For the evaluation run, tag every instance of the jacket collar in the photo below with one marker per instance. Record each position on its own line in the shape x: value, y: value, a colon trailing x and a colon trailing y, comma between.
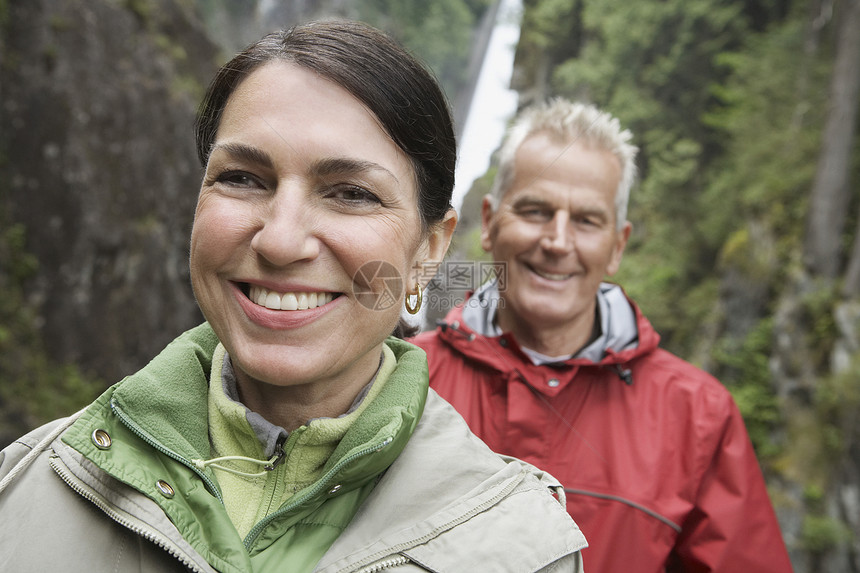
x: 617, y: 320
x: 625, y: 332
x: 166, y: 404
x: 167, y: 399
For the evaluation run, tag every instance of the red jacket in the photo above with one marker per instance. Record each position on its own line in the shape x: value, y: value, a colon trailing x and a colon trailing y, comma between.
x: 659, y: 470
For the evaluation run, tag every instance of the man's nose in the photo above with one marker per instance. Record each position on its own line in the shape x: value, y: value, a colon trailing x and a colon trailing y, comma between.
x: 557, y: 236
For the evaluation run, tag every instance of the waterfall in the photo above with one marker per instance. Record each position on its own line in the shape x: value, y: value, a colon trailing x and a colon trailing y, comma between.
x: 493, y: 103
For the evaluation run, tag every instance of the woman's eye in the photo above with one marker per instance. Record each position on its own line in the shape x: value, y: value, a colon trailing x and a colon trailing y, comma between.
x: 237, y: 179
x: 352, y: 195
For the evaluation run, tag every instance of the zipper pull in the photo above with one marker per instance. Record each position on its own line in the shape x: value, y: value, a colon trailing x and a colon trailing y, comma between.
x: 278, y: 458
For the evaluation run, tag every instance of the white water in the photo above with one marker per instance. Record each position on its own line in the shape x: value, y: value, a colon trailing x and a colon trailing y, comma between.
x: 493, y: 103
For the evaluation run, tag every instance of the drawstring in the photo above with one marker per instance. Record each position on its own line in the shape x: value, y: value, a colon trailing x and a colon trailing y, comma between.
x: 268, y: 465
x: 624, y: 373
x: 455, y: 327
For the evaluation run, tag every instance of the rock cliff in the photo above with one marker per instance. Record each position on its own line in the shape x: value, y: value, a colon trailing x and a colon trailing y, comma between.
x: 97, y: 100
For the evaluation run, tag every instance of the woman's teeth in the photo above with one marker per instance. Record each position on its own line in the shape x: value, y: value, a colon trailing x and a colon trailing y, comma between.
x: 288, y: 301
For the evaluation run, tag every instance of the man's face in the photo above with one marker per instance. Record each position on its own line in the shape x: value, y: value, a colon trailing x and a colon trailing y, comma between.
x: 555, y: 229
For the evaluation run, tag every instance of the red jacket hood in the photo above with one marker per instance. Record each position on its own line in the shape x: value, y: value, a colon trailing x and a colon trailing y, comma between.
x: 454, y: 332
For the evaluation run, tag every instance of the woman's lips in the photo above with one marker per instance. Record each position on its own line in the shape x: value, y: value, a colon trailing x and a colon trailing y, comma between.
x: 300, y: 300
x: 283, y: 318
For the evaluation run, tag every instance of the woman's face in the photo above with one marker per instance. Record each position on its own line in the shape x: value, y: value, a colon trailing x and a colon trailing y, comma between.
x: 306, y: 231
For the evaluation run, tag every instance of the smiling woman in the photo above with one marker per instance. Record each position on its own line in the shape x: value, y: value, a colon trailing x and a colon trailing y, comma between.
x: 302, y: 188
x: 291, y: 430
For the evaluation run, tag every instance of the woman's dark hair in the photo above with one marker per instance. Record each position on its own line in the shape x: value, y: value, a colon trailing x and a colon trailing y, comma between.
x: 397, y: 88
x: 391, y: 83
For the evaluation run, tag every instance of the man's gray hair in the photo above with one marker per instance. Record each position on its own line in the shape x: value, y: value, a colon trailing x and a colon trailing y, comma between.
x: 570, y: 122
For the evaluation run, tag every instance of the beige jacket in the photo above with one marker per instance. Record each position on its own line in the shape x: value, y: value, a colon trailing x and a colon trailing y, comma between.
x: 62, y: 513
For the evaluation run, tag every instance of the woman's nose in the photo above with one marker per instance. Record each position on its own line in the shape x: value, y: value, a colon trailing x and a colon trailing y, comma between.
x: 287, y: 231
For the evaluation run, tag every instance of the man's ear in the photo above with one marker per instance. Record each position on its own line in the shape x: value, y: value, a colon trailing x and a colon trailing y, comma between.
x: 618, y: 250
x: 487, y: 213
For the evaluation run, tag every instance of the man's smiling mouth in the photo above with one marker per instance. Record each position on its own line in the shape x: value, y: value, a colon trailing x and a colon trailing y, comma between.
x: 550, y: 276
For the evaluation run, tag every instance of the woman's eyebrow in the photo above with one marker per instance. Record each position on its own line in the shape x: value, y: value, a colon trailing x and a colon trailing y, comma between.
x: 246, y: 153
x: 344, y: 166
x: 322, y: 168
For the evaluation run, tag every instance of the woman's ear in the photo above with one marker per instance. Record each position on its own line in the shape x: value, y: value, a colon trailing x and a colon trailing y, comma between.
x: 440, y: 236
x: 437, y: 242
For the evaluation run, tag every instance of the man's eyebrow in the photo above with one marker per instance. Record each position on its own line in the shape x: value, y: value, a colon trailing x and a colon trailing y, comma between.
x: 247, y: 153
x: 530, y: 200
x: 345, y: 166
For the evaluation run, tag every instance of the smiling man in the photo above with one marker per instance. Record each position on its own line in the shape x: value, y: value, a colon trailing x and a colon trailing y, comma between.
x: 550, y: 364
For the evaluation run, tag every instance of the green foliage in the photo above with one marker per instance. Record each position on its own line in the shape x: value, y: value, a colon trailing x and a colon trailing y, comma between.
x: 173, y: 49
x: 59, y: 23
x: 466, y: 243
x: 813, y: 495
x: 817, y: 320
x: 553, y: 25
x: 421, y: 27
x: 33, y: 387
x: 469, y: 244
x: 749, y: 359
x: 142, y: 9
x: 773, y: 133
x: 821, y: 533
x: 19, y: 265
x: 235, y: 8
x: 649, y: 61
x: 743, y: 367
x: 837, y: 401
x: 184, y: 85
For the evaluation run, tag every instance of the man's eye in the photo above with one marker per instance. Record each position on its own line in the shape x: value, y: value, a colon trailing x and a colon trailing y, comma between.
x: 588, y: 221
x: 535, y: 214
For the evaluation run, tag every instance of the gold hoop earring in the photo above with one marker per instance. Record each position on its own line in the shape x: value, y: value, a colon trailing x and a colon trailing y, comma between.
x: 413, y: 309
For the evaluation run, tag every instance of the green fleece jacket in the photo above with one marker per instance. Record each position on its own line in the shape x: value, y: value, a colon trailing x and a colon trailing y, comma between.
x: 158, y: 423
x: 255, y: 483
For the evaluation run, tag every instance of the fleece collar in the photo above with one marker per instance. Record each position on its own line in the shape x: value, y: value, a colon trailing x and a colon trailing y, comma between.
x: 227, y: 409
x: 166, y: 403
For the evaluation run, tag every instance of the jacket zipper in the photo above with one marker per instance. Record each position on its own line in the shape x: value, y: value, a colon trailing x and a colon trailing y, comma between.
x: 140, y: 433
x: 321, y: 485
x: 386, y: 564
x: 87, y: 493
x: 280, y: 457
